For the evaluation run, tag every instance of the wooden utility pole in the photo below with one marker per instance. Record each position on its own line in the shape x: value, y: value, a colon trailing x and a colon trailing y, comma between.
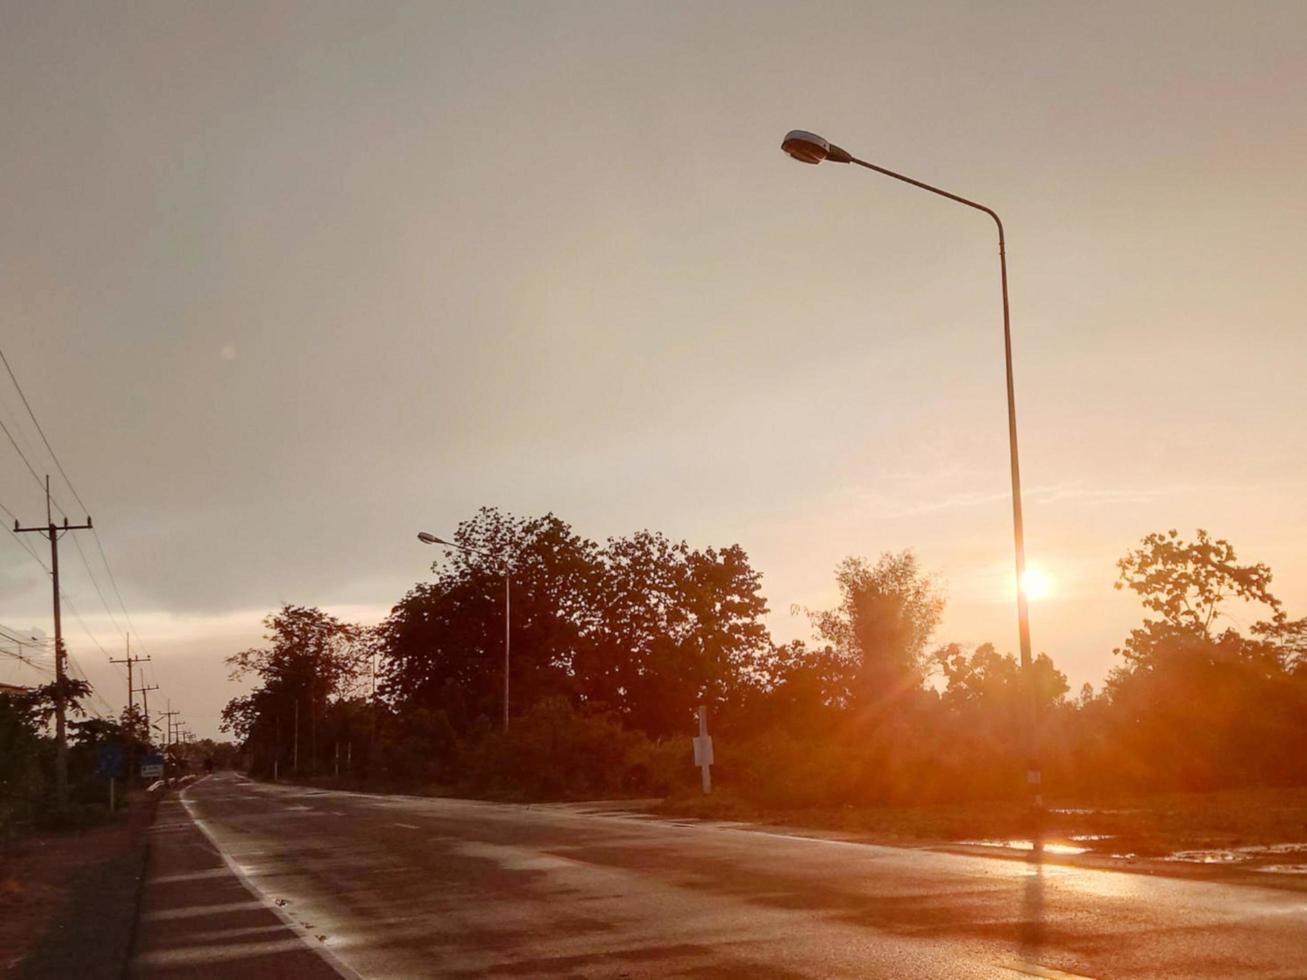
x: 131, y: 686
x: 61, y: 692
x: 167, y: 743
x: 168, y: 717
x: 144, y: 692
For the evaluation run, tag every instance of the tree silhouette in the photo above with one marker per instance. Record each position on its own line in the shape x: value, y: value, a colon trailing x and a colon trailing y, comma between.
x: 886, y: 616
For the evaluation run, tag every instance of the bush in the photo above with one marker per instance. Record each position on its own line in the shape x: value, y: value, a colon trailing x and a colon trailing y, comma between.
x: 555, y: 751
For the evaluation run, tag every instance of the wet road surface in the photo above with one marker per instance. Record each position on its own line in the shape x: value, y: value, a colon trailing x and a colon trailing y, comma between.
x: 405, y: 887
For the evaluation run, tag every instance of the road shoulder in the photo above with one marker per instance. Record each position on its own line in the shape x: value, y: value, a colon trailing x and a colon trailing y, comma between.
x: 199, y: 919
x: 69, y: 899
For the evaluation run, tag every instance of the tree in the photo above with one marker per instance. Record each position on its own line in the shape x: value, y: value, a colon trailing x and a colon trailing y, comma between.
x: 443, y: 643
x: 26, y: 752
x: 313, y: 658
x: 1193, y: 706
x: 886, y: 616
x: 988, y: 678
x: 1187, y: 584
x: 799, y: 690
x: 21, y: 778
x: 645, y: 626
x: 673, y: 627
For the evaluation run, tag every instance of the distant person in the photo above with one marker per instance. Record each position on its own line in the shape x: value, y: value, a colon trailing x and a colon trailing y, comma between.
x: 208, y: 765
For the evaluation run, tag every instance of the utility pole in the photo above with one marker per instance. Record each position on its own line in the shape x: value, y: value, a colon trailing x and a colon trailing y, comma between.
x: 131, y: 687
x: 131, y: 661
x: 144, y: 692
x: 61, y: 693
x: 168, y: 717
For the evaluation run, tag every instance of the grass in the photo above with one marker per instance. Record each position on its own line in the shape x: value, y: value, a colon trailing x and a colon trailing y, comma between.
x: 1145, y: 826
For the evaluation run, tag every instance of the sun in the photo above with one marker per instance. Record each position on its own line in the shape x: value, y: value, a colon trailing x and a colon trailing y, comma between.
x: 1036, y: 584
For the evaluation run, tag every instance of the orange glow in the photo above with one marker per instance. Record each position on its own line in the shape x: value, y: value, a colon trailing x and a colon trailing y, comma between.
x: 1036, y: 584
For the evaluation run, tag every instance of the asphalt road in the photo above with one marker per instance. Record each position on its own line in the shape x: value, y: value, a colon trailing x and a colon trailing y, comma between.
x: 408, y: 887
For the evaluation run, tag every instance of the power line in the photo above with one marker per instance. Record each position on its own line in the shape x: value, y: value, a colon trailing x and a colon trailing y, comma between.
x: 104, y: 558
x: 96, y: 584
x: 77, y: 670
x: 90, y: 572
x: 49, y: 448
x: 113, y: 581
x: 29, y: 641
x: 21, y: 455
x: 46, y: 673
x: 82, y: 623
x: 26, y: 547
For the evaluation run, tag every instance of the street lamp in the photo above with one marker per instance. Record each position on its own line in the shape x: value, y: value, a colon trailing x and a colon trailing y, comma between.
x: 810, y: 148
x: 426, y: 538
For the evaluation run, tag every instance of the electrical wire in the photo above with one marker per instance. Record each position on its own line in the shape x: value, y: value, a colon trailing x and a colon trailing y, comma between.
x: 85, y: 629
x: 104, y: 602
x: 113, y: 581
x: 32, y: 416
x: 104, y: 558
x: 21, y: 455
x: 76, y: 670
x: 21, y: 541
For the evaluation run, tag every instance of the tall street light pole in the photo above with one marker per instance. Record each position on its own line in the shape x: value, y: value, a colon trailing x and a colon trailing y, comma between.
x: 426, y: 538
x: 810, y: 148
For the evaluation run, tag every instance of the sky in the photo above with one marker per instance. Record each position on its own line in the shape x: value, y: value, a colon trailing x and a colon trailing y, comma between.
x: 285, y: 283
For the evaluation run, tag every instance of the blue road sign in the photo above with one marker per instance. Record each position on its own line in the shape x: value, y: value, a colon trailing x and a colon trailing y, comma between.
x: 151, y: 765
x: 109, y: 760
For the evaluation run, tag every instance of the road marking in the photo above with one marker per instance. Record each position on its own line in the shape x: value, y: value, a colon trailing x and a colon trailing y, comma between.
x: 408, y: 826
x: 306, y: 937
x: 195, y: 911
x: 1035, y: 970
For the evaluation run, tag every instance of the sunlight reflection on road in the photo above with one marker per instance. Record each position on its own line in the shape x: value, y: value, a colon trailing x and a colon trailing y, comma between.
x: 1027, y: 845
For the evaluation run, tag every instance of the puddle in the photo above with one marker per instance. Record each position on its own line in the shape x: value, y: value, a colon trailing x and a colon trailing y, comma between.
x: 1278, y: 849
x: 1026, y: 845
x: 1238, y: 855
x: 1208, y: 857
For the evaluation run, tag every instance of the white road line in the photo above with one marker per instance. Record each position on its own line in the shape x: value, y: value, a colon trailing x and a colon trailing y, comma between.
x: 1035, y: 970
x: 408, y: 826
x: 329, y: 957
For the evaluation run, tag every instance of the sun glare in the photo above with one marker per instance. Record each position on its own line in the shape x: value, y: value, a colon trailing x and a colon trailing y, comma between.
x: 1036, y: 584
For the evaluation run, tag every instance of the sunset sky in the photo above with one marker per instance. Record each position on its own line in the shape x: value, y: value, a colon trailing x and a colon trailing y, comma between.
x: 286, y: 283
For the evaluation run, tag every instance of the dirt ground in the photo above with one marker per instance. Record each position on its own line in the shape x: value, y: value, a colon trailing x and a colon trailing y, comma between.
x: 67, y: 896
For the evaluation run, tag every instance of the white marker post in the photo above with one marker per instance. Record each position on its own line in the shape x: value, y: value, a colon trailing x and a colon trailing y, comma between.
x: 703, y: 750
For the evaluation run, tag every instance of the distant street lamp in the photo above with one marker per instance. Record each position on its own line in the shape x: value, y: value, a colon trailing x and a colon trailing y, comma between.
x: 810, y: 148
x: 426, y: 538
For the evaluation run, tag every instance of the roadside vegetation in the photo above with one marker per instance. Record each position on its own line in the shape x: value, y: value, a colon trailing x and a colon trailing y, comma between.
x: 614, y: 645
x: 69, y: 875
x: 97, y: 749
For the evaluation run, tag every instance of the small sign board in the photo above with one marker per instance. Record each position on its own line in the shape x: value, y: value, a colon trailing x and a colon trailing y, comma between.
x: 109, y: 760
x: 152, y: 766
x: 702, y: 750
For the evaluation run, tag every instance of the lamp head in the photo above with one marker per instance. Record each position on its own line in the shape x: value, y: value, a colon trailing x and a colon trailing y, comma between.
x: 426, y: 538
x: 808, y: 147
